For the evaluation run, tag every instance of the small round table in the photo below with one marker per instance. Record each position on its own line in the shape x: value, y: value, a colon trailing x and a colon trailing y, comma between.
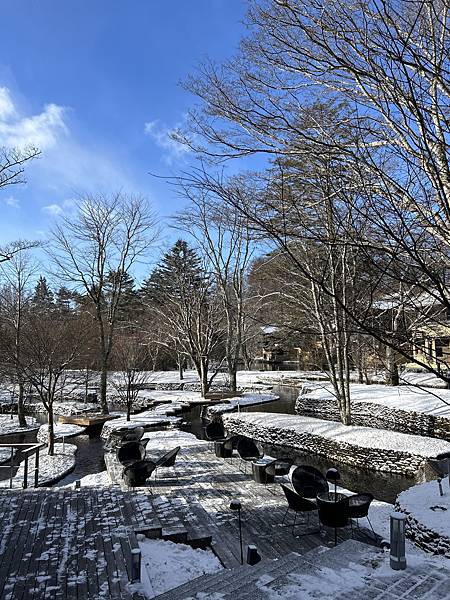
x: 259, y: 472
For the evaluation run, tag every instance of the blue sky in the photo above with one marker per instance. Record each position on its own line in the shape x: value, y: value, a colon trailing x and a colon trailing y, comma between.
x: 95, y: 84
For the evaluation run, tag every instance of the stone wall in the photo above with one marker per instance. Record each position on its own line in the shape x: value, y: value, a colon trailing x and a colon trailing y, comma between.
x: 376, y: 415
x: 388, y: 461
x: 421, y: 536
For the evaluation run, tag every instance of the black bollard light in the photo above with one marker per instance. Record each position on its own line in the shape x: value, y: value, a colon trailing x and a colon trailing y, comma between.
x: 397, y: 526
x: 236, y: 505
x: 253, y: 556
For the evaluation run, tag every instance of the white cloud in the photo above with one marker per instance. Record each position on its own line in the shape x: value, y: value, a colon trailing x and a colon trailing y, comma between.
x: 67, y: 164
x: 6, y: 104
x: 53, y: 209
x: 56, y: 209
x: 42, y: 130
x: 12, y: 201
x: 161, y: 135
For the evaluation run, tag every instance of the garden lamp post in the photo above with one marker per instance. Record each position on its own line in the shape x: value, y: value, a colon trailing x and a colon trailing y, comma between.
x: 236, y: 505
x: 398, y: 558
x: 334, y: 476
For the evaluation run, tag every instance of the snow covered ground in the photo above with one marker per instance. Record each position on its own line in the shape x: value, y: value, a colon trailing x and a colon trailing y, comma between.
x: 365, y: 437
x: 61, y: 430
x: 51, y: 468
x: 425, y: 400
x: 10, y: 425
x: 166, y: 565
x: 428, y: 507
x: 5, y: 454
x: 244, y: 400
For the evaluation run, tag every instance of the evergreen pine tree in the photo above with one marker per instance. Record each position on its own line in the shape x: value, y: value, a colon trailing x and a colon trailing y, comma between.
x: 178, y: 273
x: 43, y: 298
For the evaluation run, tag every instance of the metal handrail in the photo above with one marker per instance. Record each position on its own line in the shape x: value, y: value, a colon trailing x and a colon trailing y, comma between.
x: 31, y: 448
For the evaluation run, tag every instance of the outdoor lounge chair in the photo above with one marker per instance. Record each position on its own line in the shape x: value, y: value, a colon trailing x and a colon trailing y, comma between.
x: 138, y: 472
x: 358, y: 508
x: 283, y: 466
x: 248, y: 451
x: 122, y: 435
x: 131, y: 452
x: 308, y: 481
x: 168, y: 459
x: 333, y: 513
x: 299, y: 505
x: 440, y: 464
x: 215, y: 432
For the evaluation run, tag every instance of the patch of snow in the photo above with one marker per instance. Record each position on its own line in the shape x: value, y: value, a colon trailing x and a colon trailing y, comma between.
x: 61, y: 430
x: 419, y: 501
x: 245, y: 400
x: 51, y: 468
x: 10, y: 425
x: 409, y: 398
x: 5, y: 454
x: 166, y: 565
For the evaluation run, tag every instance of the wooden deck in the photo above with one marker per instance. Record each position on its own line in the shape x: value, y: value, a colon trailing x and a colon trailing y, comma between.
x: 65, y: 543
x: 76, y: 543
x: 86, y: 420
x: 194, y: 497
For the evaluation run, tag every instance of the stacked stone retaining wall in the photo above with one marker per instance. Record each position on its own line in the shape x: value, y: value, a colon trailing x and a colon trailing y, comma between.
x: 388, y: 461
x: 422, y: 536
x: 370, y: 414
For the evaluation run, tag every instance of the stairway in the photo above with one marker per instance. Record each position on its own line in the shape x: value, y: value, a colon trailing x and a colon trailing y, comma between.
x: 349, y: 569
x: 246, y: 581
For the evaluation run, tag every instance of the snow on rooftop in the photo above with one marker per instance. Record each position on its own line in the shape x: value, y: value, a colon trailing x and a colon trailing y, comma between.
x: 365, y: 437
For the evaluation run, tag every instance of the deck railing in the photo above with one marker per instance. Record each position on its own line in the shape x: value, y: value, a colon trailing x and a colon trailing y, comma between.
x: 27, y: 451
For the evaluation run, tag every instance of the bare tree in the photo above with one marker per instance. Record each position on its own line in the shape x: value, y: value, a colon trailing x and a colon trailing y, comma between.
x: 385, y: 66
x: 12, y: 161
x: 52, y: 344
x: 15, y: 295
x: 94, y: 252
x: 129, y: 356
x: 225, y: 239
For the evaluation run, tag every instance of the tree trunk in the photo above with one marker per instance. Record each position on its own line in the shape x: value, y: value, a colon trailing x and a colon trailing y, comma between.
x: 51, y: 432
x: 204, y: 379
x: 392, y: 377
x: 103, y: 385
x: 181, y: 367
x: 232, y: 374
x: 20, y: 405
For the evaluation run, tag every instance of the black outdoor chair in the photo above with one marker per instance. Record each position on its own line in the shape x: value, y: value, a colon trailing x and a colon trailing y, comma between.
x: 440, y: 464
x: 215, y: 431
x: 308, y: 481
x: 248, y: 451
x: 333, y: 514
x: 124, y: 434
x: 131, y: 452
x: 358, y: 508
x: 138, y: 472
x: 167, y: 460
x: 299, y: 505
x: 283, y: 466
